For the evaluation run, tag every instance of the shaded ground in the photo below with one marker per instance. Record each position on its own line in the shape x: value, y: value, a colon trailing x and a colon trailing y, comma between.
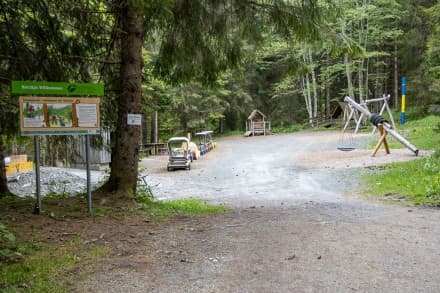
x: 295, y: 224
x: 306, y: 248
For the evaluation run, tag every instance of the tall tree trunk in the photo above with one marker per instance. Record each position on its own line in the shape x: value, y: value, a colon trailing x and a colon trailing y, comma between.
x: 396, y: 79
x: 290, y: 109
x: 347, y: 63
x: 363, y: 39
x: 349, y: 78
x: 221, y: 125
x: 307, y: 93
x: 361, y: 80
x: 125, y: 153
x: 4, y: 190
x: 50, y: 152
x: 314, y: 85
x: 307, y: 98
x: 367, y: 77
x: 327, y: 97
x: 376, y: 87
x: 155, y: 127
x: 366, y: 3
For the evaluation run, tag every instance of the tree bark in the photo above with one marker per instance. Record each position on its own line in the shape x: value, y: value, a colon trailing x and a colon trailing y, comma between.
x: 315, y: 90
x: 367, y: 78
x: 396, y: 79
x: 154, y: 127
x: 349, y: 79
x: 290, y: 109
x: 4, y: 189
x: 363, y: 38
x: 306, y: 93
x: 327, y: 96
x: 361, y: 80
x: 125, y: 153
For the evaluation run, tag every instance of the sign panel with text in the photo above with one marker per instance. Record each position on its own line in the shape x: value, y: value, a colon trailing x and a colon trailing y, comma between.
x: 134, y: 119
x: 59, y: 116
x: 42, y: 88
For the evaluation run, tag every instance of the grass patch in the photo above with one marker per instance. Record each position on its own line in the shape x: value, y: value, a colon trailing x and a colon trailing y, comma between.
x: 332, y: 127
x: 228, y: 133
x: 423, y: 133
x: 416, y: 181
x: 287, y: 128
x: 47, y: 268
x: 164, y: 210
x: 13, y: 250
x: 191, y: 207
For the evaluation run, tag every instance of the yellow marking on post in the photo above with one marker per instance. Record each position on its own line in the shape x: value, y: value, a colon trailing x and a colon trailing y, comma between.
x: 403, y: 103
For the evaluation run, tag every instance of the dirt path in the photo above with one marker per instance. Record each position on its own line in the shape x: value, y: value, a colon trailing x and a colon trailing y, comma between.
x: 295, y: 225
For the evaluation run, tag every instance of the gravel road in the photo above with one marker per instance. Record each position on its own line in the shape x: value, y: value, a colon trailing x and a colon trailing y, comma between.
x: 296, y: 224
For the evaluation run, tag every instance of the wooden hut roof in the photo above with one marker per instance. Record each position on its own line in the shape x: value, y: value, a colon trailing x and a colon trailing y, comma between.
x: 256, y: 113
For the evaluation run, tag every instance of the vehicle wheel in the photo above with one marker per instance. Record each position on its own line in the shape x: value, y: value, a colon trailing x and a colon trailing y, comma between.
x: 169, y: 169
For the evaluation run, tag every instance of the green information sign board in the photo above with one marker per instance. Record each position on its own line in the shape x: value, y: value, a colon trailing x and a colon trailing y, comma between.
x: 37, y: 88
x: 59, y: 115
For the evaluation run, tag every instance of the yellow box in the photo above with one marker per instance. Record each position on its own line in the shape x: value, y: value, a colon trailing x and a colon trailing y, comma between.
x: 14, y: 168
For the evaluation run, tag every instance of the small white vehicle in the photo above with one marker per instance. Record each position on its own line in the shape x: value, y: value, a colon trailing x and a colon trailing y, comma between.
x: 205, y: 141
x: 180, y: 156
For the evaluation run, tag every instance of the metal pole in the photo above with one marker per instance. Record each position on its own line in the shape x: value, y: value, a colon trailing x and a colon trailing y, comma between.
x: 89, y: 188
x: 348, y: 119
x: 390, y: 113
x: 377, y: 100
x: 358, y: 123
x: 402, y: 114
x: 386, y: 126
x: 37, y: 208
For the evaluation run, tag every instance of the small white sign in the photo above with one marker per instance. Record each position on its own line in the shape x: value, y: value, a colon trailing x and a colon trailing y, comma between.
x: 87, y: 115
x: 134, y: 119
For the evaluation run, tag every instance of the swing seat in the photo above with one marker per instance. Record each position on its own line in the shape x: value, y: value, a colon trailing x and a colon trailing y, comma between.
x: 346, y: 148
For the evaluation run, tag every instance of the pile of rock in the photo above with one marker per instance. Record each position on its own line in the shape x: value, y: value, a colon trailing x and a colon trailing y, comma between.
x: 52, y: 181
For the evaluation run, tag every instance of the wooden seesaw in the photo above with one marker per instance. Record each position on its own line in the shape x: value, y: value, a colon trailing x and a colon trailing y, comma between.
x: 384, y: 129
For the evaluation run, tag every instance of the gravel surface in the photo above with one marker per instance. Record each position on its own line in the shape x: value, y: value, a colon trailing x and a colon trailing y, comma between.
x: 54, y: 181
x: 295, y: 224
x: 290, y: 168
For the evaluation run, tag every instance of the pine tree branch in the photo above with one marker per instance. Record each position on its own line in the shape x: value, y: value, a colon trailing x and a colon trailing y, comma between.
x: 86, y: 58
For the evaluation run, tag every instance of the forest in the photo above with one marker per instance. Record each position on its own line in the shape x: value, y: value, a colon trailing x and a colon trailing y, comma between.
x: 201, y: 64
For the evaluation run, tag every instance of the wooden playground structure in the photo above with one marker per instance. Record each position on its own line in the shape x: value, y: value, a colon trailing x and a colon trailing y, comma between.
x: 256, y: 123
x: 384, y: 128
x: 354, y: 112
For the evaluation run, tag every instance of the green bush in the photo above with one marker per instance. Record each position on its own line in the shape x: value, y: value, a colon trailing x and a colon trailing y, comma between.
x: 12, y: 250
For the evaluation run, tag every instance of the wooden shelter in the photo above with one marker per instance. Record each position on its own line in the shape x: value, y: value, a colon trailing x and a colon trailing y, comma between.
x: 257, y: 124
x: 100, y: 157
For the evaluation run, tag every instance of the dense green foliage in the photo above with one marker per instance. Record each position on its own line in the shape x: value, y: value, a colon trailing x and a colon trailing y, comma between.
x: 276, y: 79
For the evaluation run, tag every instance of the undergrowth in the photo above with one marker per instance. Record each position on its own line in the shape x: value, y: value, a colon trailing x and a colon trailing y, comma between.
x: 287, y: 128
x: 35, y: 267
